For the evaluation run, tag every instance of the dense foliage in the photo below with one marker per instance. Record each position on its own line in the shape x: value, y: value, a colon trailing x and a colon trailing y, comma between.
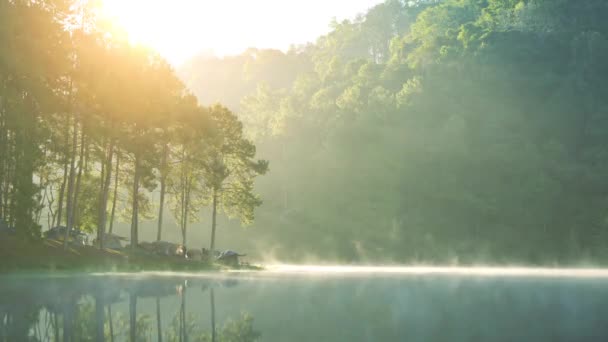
x: 420, y: 131
x: 432, y: 131
x: 89, y: 122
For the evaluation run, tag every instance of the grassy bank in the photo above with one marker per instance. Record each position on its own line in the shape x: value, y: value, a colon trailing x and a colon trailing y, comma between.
x: 18, y: 255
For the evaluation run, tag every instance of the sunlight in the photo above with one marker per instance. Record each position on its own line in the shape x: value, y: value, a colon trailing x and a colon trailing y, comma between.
x: 130, y: 15
x: 173, y: 28
x: 181, y: 29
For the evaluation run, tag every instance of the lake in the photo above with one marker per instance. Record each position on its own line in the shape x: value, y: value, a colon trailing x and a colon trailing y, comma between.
x: 294, y: 303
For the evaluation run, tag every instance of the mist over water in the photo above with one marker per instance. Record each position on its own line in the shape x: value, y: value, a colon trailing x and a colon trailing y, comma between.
x: 516, y: 271
x: 311, y: 303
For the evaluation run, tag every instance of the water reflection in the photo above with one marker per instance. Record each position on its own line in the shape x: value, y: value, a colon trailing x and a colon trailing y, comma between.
x: 303, y: 307
x: 93, y: 309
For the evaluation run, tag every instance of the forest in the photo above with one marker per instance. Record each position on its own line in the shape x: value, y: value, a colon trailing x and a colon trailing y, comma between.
x: 90, y: 124
x: 428, y: 131
x: 456, y: 131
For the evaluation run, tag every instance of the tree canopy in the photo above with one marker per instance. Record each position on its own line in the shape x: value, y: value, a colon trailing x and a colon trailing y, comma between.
x: 420, y: 131
x: 85, y: 116
x: 436, y: 131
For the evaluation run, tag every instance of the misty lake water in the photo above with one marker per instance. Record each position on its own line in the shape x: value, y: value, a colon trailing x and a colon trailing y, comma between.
x: 308, y: 304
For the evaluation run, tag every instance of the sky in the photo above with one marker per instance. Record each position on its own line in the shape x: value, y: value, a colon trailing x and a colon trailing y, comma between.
x: 182, y: 29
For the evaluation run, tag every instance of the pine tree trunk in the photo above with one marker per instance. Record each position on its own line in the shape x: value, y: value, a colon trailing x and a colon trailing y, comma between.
x: 213, y: 223
x: 66, y: 163
x: 51, y: 214
x: 103, y: 199
x: 115, y: 192
x: 135, y: 207
x: 163, y: 185
x: 75, y: 210
x: 62, y: 193
x: 87, y: 152
x: 183, y: 194
x: 42, y: 185
x: 183, y: 211
x: 186, y: 211
x: 102, y: 174
x: 69, y: 203
x: 160, y: 210
x: 183, y: 208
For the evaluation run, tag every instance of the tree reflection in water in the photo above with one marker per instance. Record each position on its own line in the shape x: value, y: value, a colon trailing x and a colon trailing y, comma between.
x: 70, y: 309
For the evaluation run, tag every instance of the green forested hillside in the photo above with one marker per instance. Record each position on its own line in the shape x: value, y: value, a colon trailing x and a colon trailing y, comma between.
x: 431, y: 131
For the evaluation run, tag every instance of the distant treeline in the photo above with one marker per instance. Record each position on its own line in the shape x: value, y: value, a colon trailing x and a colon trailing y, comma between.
x: 431, y: 131
x: 90, y: 124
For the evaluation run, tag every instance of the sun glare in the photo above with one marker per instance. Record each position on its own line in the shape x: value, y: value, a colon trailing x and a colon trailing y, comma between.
x: 180, y: 29
x: 173, y: 28
x: 133, y: 18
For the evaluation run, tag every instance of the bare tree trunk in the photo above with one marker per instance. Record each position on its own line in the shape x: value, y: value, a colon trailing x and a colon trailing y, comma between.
x: 163, y: 184
x: 115, y: 192
x: 87, y: 153
x: 184, y: 223
x: 103, y: 200
x: 213, y: 223
x: 75, y: 211
x: 186, y: 211
x: 43, y: 185
x: 135, y: 208
x: 65, y: 177
x: 51, y: 214
x: 43, y: 200
x: 183, y: 209
x: 61, y: 194
x: 161, y: 209
x: 69, y: 204
x: 102, y: 175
